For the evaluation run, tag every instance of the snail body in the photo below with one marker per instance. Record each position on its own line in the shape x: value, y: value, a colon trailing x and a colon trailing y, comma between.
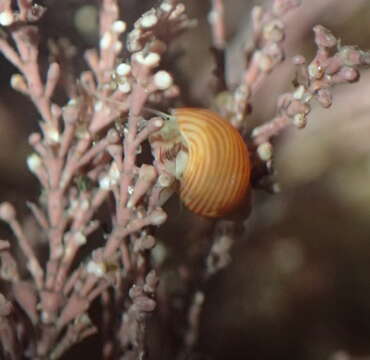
x: 209, y: 158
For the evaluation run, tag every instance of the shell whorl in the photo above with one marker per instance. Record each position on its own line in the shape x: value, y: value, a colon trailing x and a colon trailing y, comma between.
x: 217, y: 173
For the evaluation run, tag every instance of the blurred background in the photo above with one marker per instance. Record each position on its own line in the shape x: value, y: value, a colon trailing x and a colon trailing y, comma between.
x: 298, y: 286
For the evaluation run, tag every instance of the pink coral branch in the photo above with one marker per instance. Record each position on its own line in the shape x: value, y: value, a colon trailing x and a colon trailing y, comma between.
x: 263, y: 55
x: 314, y: 80
x: 7, y: 213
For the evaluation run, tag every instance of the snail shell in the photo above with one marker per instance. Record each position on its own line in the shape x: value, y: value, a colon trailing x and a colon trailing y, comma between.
x: 210, y: 159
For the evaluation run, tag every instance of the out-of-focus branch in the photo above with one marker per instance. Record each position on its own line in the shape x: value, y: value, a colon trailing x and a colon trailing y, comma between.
x: 262, y: 56
x: 217, y: 21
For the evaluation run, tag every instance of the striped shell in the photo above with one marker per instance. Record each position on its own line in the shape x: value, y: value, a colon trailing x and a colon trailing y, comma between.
x: 216, y: 176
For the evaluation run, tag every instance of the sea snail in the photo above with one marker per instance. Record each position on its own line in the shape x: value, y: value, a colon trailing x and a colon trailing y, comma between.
x: 208, y: 157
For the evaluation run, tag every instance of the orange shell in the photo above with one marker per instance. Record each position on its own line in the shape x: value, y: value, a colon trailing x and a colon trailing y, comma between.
x: 217, y: 174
